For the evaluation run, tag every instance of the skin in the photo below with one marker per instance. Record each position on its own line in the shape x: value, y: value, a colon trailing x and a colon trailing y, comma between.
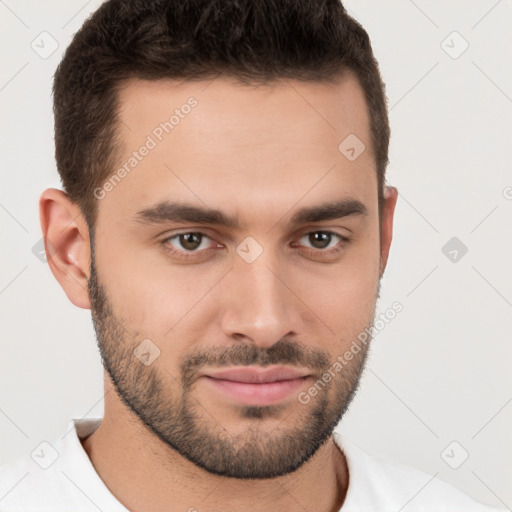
x: 239, y: 149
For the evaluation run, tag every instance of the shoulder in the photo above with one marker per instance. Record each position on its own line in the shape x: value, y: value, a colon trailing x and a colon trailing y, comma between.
x: 56, y: 477
x: 378, y: 484
x: 18, y: 484
x: 26, y: 486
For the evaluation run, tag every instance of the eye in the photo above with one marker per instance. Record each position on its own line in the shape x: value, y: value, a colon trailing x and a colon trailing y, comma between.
x: 186, y: 242
x: 192, y: 244
x: 189, y: 246
x: 322, y: 240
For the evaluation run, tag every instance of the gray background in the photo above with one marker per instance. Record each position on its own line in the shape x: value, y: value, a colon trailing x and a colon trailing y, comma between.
x: 440, y: 371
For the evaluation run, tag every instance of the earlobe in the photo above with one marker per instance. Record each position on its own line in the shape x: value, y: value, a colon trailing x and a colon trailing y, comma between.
x: 66, y: 237
x: 388, y: 210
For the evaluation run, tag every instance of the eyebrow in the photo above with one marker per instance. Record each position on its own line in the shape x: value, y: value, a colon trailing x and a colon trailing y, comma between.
x: 167, y: 211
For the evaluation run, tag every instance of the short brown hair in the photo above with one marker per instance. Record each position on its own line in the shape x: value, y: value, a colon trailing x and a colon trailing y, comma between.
x: 255, y: 41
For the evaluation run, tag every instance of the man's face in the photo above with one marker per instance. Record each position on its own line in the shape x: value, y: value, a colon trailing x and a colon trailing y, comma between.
x: 267, y: 292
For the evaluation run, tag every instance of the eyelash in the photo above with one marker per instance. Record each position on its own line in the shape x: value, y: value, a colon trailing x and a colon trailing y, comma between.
x: 190, y: 254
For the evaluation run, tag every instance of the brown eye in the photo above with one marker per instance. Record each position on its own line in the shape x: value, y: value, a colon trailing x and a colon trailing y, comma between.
x: 191, y: 246
x: 322, y: 240
x: 190, y: 241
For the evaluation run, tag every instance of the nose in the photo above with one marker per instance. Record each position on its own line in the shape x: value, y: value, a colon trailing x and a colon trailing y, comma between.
x: 260, y: 306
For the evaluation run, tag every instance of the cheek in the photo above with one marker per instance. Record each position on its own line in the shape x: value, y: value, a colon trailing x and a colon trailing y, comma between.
x: 344, y: 302
x: 155, y: 299
x: 344, y: 294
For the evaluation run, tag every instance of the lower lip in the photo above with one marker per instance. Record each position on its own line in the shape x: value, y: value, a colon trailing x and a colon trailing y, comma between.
x: 257, y: 394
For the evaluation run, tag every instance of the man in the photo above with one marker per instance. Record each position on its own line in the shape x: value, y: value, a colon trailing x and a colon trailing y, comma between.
x: 225, y: 217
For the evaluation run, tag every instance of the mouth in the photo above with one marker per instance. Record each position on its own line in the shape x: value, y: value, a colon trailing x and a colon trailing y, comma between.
x: 253, y: 386
x: 255, y: 375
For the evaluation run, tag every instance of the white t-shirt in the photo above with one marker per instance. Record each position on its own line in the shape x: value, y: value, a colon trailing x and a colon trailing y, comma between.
x: 61, y: 478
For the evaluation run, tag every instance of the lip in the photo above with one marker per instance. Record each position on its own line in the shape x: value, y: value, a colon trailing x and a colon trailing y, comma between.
x: 259, y: 376
x: 257, y: 387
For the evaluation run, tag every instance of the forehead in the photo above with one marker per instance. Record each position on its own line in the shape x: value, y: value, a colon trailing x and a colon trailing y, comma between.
x: 225, y: 106
x: 225, y: 144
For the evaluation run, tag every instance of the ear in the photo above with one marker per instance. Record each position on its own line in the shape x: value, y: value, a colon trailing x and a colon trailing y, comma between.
x: 386, y: 234
x: 66, y: 242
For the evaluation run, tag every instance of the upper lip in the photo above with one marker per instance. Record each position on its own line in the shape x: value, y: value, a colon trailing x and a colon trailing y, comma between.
x: 253, y: 375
